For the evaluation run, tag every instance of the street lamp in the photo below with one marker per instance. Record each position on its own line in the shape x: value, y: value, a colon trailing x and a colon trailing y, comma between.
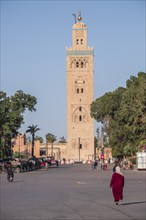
x: 19, y: 135
x: 97, y: 144
x: 80, y: 147
x: 11, y: 146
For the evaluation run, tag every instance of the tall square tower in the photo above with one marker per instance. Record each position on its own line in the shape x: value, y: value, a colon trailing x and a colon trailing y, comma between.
x: 79, y: 75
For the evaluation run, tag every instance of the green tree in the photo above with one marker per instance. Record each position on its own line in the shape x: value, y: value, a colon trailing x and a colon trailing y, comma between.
x: 11, y: 117
x: 62, y: 140
x: 95, y: 146
x: 104, y: 109
x: 38, y: 138
x: 95, y: 142
x: 123, y: 114
x: 32, y: 130
x: 50, y: 138
x: 129, y: 150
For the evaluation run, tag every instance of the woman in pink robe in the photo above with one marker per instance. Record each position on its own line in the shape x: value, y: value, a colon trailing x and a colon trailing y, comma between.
x: 117, y: 184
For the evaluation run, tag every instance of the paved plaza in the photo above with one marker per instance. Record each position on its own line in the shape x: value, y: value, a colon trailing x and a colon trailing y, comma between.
x: 71, y: 192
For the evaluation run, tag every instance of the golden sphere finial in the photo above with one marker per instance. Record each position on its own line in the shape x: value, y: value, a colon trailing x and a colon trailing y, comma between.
x: 79, y: 16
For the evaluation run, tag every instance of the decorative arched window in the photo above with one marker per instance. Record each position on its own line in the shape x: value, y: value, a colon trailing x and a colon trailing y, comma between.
x: 72, y: 64
x: 76, y: 118
x: 82, y: 90
x: 81, y: 41
x: 84, y: 118
x: 80, y: 115
x: 77, y: 41
x: 82, y: 64
x: 77, y: 90
x: 86, y: 64
x: 77, y: 64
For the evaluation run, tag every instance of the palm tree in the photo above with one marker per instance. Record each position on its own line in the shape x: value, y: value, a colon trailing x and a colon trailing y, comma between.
x: 32, y: 130
x: 50, y: 138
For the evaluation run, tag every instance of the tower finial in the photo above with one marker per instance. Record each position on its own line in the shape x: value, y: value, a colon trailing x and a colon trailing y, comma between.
x: 79, y: 16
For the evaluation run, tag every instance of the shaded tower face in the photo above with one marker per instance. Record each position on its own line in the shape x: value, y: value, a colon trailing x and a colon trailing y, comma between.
x: 79, y: 74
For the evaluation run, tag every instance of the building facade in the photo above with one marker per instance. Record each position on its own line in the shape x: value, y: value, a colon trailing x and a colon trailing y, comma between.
x: 79, y: 78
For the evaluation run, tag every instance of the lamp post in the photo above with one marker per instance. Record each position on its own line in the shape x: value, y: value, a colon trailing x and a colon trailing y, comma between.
x: 19, y: 146
x: 94, y: 152
x: 80, y: 147
x: 19, y: 135
x: 97, y: 143
x: 11, y: 146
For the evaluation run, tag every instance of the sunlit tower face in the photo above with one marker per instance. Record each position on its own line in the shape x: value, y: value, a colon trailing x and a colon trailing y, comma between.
x: 79, y: 74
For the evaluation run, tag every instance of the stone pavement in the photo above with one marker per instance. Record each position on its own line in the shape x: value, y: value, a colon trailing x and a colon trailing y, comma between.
x: 71, y: 192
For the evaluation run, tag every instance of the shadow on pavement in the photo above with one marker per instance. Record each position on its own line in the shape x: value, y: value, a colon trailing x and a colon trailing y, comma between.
x: 133, y: 203
x: 18, y: 181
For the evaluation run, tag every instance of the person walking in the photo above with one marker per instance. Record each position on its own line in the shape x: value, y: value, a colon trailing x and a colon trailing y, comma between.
x: 10, y: 174
x: 46, y: 165
x: 116, y: 164
x: 117, y: 184
x: 94, y: 164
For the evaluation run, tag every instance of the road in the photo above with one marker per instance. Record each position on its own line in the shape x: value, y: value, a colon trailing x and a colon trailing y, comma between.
x: 71, y: 192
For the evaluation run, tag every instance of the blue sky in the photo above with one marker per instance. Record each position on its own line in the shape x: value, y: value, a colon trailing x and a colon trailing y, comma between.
x: 34, y: 36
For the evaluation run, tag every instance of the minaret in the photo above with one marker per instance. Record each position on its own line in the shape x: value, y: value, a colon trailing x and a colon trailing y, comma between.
x: 79, y: 75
